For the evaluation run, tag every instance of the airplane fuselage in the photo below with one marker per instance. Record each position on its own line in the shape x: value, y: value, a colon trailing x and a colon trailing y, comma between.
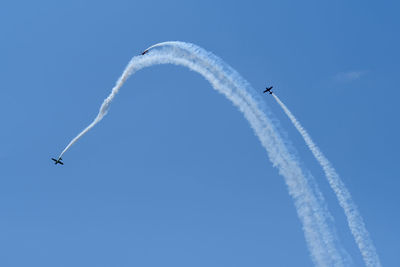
x: 57, y: 161
x: 268, y: 90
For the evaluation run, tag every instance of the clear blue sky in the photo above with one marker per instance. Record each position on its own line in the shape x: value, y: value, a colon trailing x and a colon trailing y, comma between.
x: 174, y: 176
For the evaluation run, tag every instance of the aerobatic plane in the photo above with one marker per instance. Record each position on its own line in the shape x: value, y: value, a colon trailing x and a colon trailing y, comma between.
x: 268, y: 89
x: 144, y: 52
x: 56, y: 161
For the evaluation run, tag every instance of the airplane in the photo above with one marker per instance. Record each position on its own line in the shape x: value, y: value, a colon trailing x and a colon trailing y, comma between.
x: 268, y: 89
x: 58, y: 161
x: 144, y: 52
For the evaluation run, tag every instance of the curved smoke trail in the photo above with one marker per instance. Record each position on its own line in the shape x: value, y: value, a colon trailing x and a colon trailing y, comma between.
x: 354, y: 219
x: 319, y: 233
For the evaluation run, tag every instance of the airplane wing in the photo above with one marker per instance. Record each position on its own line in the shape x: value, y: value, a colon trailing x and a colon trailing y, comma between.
x: 61, y: 163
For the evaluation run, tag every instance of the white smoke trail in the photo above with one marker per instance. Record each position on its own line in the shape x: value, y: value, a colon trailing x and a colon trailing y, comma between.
x: 354, y: 219
x: 318, y: 230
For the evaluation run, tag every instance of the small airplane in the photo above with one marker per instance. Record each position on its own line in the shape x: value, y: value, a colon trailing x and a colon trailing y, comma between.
x: 58, y: 161
x: 145, y: 51
x: 268, y: 89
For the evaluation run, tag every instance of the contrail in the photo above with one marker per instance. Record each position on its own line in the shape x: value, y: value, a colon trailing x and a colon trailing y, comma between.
x: 354, y: 219
x: 319, y: 232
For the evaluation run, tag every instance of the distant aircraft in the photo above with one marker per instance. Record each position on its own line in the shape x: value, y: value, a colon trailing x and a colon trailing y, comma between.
x: 268, y: 89
x: 144, y: 52
x: 57, y: 161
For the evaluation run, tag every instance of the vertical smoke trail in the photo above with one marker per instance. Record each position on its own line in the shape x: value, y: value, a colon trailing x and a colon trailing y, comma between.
x: 318, y: 230
x: 354, y: 219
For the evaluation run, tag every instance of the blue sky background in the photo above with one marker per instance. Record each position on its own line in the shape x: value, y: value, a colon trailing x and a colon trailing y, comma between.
x: 174, y: 176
